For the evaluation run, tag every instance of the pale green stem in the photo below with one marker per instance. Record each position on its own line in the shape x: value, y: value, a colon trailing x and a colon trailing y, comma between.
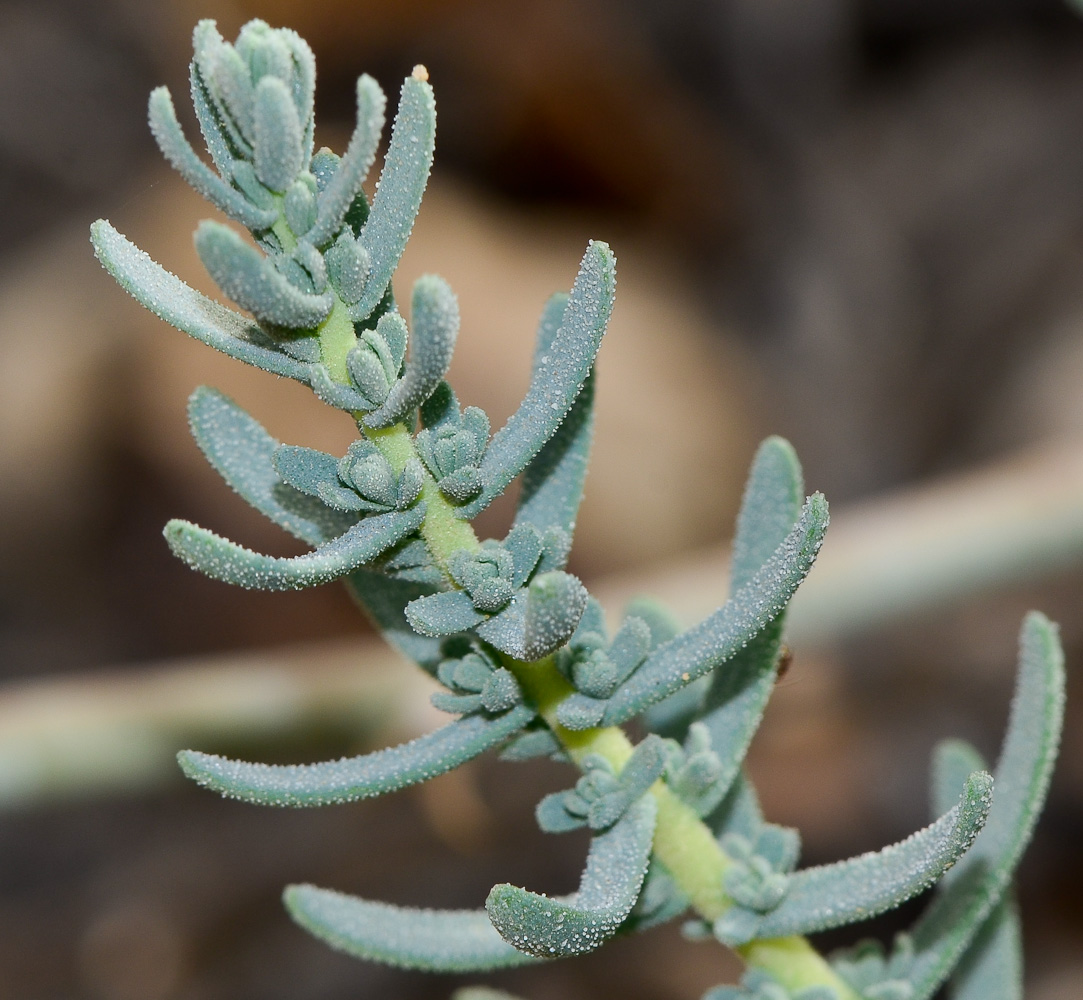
x: 682, y: 841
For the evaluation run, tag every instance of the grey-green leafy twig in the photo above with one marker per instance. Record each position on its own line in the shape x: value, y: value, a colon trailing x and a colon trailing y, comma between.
x: 520, y: 647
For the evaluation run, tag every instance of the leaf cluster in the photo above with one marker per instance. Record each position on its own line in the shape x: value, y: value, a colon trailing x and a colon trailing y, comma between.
x: 522, y: 650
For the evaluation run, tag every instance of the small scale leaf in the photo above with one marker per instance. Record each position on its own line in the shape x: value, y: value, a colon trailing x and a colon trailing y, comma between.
x: 556, y: 381
x: 443, y: 614
x: 430, y: 940
x: 580, y: 712
x: 224, y: 560
x: 252, y: 281
x: 327, y: 390
x: 435, y: 318
x: 398, y: 196
x: 353, y: 778
x: 305, y: 469
x: 539, y: 619
x: 833, y: 895
x: 616, y: 866
x: 170, y: 299
x: 345, y: 183
x: 532, y: 744
x: 177, y: 150
x: 524, y: 544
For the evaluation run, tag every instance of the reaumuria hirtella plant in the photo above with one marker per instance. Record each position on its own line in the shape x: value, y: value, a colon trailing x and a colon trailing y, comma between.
x: 521, y: 648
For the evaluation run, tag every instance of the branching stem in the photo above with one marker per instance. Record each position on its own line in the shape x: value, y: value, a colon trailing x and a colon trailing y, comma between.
x: 682, y: 841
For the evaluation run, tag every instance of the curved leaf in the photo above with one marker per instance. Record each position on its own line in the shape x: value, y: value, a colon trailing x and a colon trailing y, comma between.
x: 242, y: 453
x: 435, y: 319
x: 178, y: 151
x: 991, y: 968
x: 558, y: 377
x: 336, y: 198
x: 738, y: 693
x: 398, y: 195
x: 548, y: 327
x: 770, y: 507
x: 715, y: 640
x: 278, y: 139
x: 430, y: 940
x: 229, y: 562
x: 553, y: 480
x: 616, y: 866
x: 169, y: 298
x: 354, y: 778
x: 833, y: 895
x: 251, y: 280
x: 974, y: 887
x: 217, y: 143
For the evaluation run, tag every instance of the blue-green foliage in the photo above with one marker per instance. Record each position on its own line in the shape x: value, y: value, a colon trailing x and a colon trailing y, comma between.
x: 485, y: 618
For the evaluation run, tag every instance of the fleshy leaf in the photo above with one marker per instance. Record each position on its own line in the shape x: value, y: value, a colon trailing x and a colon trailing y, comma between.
x: 305, y: 469
x: 718, y: 638
x: 177, y: 150
x: 548, y: 326
x: 242, y: 453
x: 224, y: 560
x: 170, y: 299
x: 974, y: 887
x: 206, y: 114
x: 339, y: 194
x: 252, y: 281
x: 385, y: 599
x: 277, y: 135
x: 992, y: 966
x: 531, y: 744
x: 430, y: 940
x: 557, y: 379
x: 660, y: 901
x: 553, y: 480
x: 738, y: 693
x: 353, y: 778
x: 398, y: 196
x: 832, y: 895
x: 616, y: 866
x: 435, y: 320
x: 539, y: 619
x: 770, y: 506
x: 443, y: 614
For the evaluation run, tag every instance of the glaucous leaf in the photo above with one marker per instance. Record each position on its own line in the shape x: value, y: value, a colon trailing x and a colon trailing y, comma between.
x: 353, y: 778
x: 616, y: 865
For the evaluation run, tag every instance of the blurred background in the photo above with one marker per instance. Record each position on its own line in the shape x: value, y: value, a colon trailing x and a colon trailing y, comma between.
x: 857, y: 223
